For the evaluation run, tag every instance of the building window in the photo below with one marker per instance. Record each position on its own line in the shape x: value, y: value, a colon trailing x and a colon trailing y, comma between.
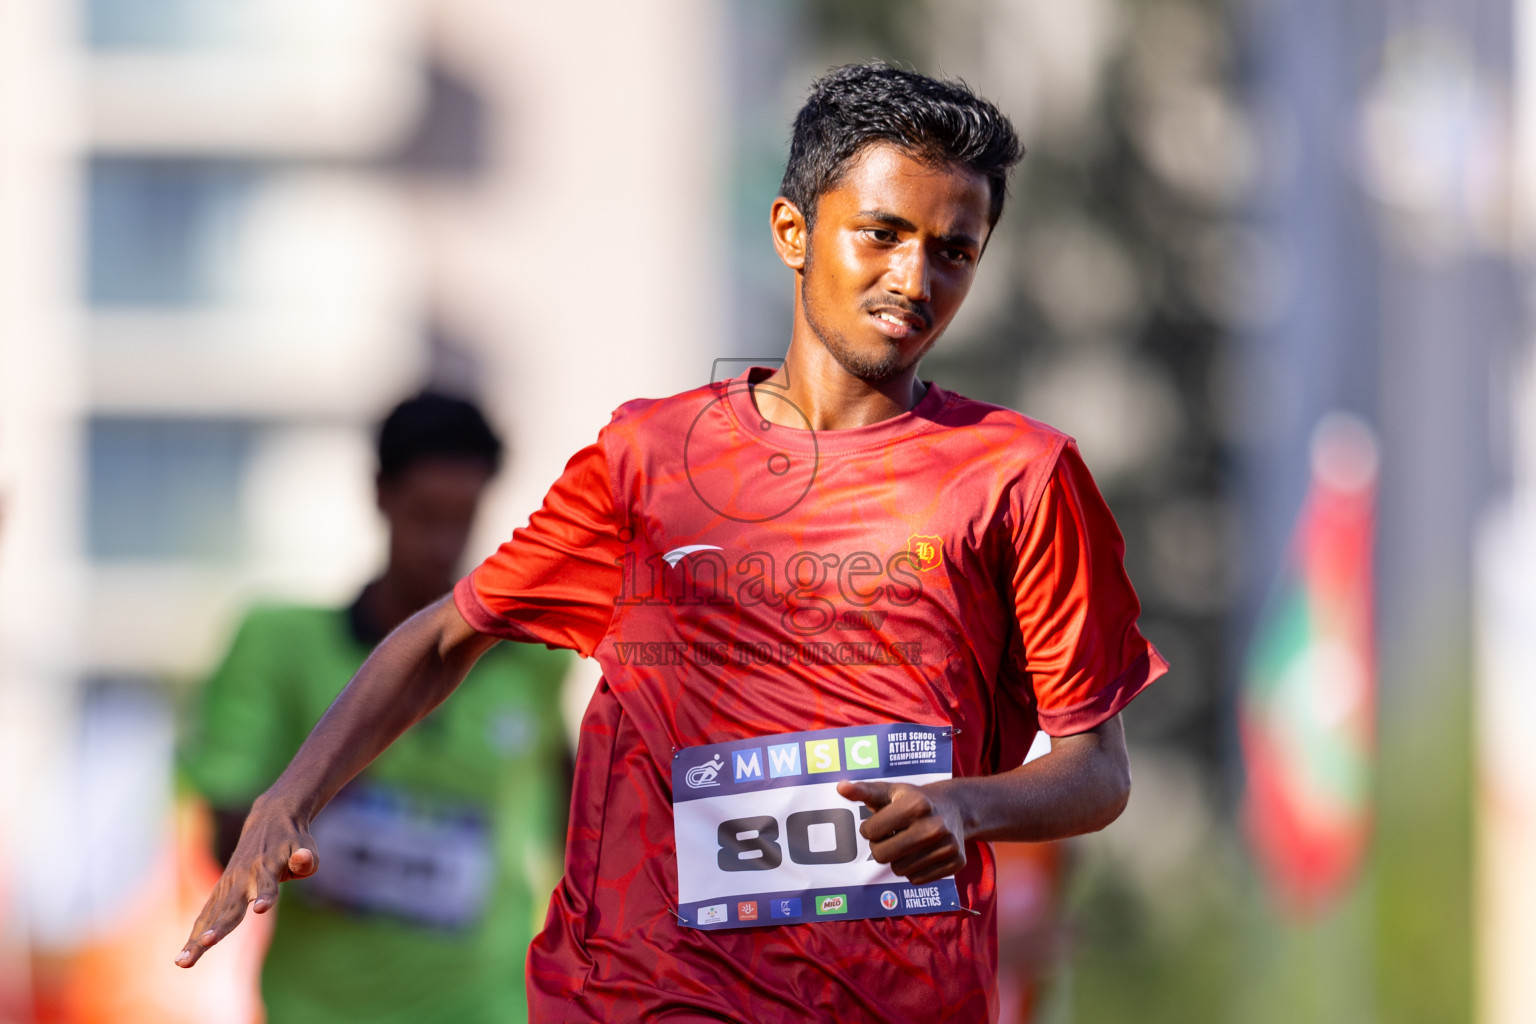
x: 165, y: 232
x: 165, y: 489
x: 166, y: 24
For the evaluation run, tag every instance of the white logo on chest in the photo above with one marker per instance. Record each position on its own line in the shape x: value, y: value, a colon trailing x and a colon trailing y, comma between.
x: 678, y: 554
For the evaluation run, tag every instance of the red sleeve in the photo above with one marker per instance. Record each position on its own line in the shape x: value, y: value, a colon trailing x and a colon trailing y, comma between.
x: 555, y: 581
x: 1078, y: 642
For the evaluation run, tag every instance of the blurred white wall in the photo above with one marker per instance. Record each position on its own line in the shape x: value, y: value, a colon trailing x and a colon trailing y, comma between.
x: 38, y: 399
x: 229, y: 240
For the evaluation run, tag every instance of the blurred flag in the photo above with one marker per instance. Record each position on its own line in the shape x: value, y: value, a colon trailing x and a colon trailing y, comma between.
x: 1307, y: 708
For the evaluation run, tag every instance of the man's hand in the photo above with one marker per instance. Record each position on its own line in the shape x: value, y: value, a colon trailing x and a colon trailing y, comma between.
x: 918, y: 830
x: 410, y: 673
x: 274, y: 847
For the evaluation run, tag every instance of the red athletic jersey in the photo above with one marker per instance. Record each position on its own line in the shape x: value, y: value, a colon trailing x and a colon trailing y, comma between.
x: 954, y: 565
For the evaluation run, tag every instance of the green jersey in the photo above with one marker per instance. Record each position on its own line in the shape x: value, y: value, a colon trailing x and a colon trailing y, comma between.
x: 435, y: 863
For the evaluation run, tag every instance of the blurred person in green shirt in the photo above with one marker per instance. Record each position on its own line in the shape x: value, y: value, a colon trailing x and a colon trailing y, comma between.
x: 436, y: 862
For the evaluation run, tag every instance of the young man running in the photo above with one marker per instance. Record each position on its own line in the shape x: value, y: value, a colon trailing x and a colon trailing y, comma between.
x: 833, y: 605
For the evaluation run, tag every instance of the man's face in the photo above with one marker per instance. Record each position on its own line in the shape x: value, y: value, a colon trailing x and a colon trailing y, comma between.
x: 430, y: 506
x: 890, y: 258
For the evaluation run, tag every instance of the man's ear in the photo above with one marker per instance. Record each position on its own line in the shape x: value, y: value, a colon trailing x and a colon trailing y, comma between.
x: 790, y: 235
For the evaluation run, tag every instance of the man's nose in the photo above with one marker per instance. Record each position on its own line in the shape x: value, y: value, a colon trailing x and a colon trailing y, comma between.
x: 909, y: 273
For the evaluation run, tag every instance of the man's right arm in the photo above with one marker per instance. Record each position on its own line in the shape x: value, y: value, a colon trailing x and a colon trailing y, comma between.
x: 410, y: 673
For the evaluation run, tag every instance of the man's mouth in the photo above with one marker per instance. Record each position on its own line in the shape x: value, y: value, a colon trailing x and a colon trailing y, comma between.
x: 898, y: 323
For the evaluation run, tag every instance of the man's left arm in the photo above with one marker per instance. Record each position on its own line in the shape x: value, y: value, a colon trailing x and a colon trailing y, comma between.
x: 1078, y: 650
x: 920, y: 831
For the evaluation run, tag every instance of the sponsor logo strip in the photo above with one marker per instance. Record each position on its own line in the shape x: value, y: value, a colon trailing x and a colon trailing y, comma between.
x: 852, y: 903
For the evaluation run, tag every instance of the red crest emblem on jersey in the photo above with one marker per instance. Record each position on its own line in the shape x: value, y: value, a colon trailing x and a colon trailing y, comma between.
x: 927, y: 549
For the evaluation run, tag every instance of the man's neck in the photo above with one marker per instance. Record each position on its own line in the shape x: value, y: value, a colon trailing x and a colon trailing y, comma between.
x: 831, y: 398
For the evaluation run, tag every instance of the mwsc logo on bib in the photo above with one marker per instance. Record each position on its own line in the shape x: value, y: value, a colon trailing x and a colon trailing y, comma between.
x: 780, y: 760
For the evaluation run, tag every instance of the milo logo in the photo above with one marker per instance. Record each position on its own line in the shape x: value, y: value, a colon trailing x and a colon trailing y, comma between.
x: 832, y: 904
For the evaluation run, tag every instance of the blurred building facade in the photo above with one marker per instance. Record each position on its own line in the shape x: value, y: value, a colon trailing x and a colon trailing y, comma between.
x: 231, y: 235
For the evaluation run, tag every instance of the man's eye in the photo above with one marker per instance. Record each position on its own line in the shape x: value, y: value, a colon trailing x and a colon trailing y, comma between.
x: 959, y: 257
x: 881, y: 234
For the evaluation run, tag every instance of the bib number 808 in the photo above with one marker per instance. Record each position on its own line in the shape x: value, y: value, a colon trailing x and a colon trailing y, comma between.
x: 752, y: 844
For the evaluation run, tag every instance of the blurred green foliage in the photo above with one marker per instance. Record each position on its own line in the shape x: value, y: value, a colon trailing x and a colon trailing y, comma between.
x: 1422, y: 865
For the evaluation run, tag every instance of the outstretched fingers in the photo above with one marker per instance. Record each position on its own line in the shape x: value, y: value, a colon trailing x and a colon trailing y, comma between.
x: 231, y: 898
x: 264, y: 893
x: 224, y: 910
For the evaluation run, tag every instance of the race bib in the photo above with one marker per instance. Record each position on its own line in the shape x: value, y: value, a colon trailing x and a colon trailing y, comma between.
x: 763, y: 838
x: 384, y: 851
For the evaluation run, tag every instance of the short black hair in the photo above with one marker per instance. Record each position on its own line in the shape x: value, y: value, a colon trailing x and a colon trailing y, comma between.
x: 937, y: 121
x: 431, y: 425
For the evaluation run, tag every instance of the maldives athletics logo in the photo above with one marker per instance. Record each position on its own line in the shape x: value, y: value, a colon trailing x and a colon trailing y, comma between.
x: 928, y: 549
x: 888, y: 900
